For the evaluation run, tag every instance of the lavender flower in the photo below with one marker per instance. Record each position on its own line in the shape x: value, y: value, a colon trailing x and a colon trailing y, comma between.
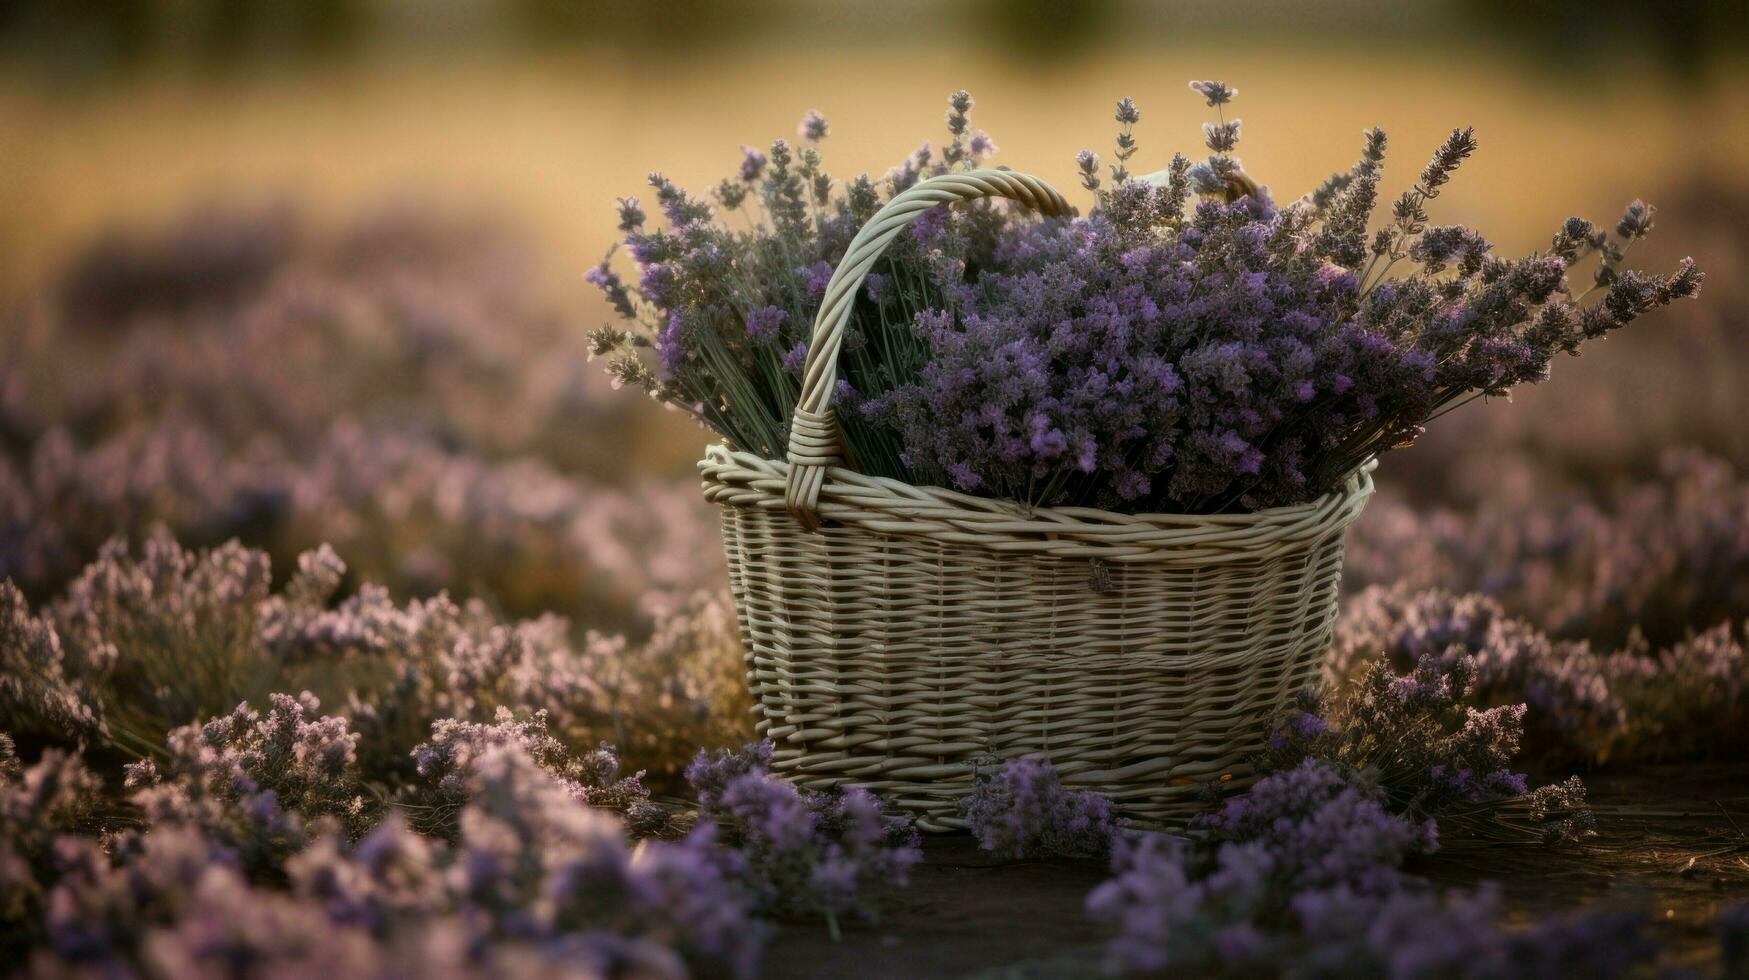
x: 1127, y: 116
x: 1175, y: 913
x: 1320, y: 830
x: 1421, y: 741
x: 763, y: 324
x: 1023, y: 810
x: 813, y: 127
x: 593, y: 778
x: 802, y: 852
x: 58, y: 795
x: 535, y: 863
x: 36, y: 695
x: 1242, y: 357
x: 1087, y: 162
x: 1170, y: 919
x: 255, y: 783
x: 1216, y: 93
x: 1563, y: 684
x: 707, y: 296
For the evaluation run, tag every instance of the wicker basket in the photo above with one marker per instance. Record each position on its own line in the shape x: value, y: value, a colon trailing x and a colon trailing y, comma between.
x: 896, y: 636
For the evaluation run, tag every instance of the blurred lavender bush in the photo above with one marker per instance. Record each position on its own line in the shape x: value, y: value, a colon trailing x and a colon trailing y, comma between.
x: 1662, y: 557
x: 396, y: 389
x: 536, y: 881
x: 1636, y: 702
x: 140, y: 646
x: 293, y: 840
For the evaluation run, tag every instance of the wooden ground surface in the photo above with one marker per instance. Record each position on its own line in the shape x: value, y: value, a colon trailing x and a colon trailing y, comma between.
x: 1675, y: 840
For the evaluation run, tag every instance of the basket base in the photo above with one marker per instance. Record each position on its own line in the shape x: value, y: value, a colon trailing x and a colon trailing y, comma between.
x: 937, y: 809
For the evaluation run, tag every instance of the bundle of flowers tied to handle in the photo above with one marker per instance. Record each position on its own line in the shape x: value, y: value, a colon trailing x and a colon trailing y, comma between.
x: 1073, y: 486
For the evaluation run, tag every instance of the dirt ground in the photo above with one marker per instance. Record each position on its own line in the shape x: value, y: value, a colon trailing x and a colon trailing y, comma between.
x: 1674, y: 840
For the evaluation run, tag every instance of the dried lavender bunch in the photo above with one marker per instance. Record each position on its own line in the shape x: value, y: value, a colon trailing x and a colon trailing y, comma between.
x: 1686, y: 701
x: 727, y: 312
x: 1170, y: 920
x: 527, y: 845
x: 1320, y: 826
x: 1023, y: 810
x: 166, y: 638
x: 36, y: 694
x: 1225, y: 899
x: 1238, y: 356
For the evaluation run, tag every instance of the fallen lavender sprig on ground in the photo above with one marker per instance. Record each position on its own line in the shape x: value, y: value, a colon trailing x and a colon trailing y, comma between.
x: 1302, y: 876
x: 803, y: 852
x: 1023, y: 810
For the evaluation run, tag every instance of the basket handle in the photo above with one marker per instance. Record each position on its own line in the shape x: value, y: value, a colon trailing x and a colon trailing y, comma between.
x: 814, y: 439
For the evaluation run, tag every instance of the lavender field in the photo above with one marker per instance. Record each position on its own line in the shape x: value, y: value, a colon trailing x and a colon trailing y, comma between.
x: 352, y: 623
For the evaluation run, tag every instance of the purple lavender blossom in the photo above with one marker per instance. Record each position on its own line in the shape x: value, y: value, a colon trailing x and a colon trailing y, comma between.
x: 802, y: 852
x: 448, y: 760
x: 1431, y: 753
x: 1216, y: 93
x: 256, y: 784
x: 752, y: 164
x: 815, y: 277
x: 1168, y: 918
x: 1023, y: 810
x: 1101, y: 366
x: 763, y: 324
x: 1563, y: 684
x: 813, y: 127
x: 1320, y: 830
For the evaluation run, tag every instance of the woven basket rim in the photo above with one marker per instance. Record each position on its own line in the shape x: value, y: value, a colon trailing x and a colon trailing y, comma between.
x: 894, y: 507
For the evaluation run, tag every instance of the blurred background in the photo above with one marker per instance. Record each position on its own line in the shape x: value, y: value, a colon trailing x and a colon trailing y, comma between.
x: 304, y: 272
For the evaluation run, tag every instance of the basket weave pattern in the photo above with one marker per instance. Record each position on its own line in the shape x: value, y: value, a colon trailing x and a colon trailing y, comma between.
x: 898, y: 636
x: 920, y: 631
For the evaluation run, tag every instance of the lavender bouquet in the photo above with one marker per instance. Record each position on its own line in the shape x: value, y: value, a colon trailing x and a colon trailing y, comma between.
x: 726, y: 312
x: 1189, y: 346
